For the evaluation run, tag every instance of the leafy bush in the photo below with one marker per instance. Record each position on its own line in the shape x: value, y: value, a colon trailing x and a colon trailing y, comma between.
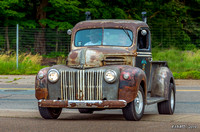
x: 187, y: 75
x: 55, y: 54
x: 28, y: 64
x: 183, y: 64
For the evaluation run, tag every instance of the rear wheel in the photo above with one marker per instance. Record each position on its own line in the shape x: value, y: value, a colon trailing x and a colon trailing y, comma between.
x: 135, y: 109
x: 89, y: 111
x: 168, y: 106
x: 49, y: 113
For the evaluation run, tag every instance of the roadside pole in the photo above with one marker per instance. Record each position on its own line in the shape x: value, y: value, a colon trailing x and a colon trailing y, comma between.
x: 17, y: 45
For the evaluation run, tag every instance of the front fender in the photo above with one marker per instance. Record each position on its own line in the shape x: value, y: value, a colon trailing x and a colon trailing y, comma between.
x: 128, y: 88
x: 41, y: 91
x: 41, y: 85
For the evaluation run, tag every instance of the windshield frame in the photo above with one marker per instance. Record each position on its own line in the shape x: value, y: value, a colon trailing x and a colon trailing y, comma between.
x: 129, y: 34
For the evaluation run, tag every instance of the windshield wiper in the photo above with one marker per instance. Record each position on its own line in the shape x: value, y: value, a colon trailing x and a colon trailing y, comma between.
x: 127, y: 34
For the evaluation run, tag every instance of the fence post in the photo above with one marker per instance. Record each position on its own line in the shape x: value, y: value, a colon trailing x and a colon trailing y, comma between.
x: 17, y: 44
x: 162, y: 30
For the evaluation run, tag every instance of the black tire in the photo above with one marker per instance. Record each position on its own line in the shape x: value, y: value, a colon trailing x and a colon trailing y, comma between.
x: 49, y: 113
x: 89, y: 111
x: 134, y: 110
x: 168, y: 106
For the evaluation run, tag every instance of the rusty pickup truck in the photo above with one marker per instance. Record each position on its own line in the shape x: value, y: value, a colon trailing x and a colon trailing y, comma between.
x: 109, y: 66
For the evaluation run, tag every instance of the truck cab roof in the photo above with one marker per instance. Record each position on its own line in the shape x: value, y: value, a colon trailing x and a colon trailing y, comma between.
x: 132, y: 25
x: 110, y: 23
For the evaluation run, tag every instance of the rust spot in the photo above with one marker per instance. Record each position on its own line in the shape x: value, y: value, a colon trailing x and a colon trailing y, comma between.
x: 110, y: 104
x: 93, y: 58
x: 51, y: 103
x: 73, y: 55
x: 97, y: 56
x: 73, y: 62
x: 128, y: 88
x: 73, y: 105
x: 65, y: 104
x: 128, y: 93
x: 41, y: 93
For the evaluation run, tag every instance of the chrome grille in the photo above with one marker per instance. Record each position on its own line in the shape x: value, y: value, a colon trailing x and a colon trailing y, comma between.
x: 81, y: 85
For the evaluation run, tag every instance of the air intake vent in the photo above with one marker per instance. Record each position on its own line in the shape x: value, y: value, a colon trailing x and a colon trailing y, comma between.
x: 114, y: 61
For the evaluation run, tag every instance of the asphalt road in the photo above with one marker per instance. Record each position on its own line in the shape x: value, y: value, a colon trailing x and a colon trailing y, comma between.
x: 100, y: 123
x: 19, y: 112
x: 187, y: 100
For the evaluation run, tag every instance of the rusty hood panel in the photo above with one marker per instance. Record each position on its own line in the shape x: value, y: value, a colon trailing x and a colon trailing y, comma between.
x: 94, y: 56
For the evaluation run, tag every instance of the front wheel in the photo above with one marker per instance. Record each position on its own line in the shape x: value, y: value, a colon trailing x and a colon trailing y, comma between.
x: 168, y: 106
x: 49, y: 113
x: 135, y: 109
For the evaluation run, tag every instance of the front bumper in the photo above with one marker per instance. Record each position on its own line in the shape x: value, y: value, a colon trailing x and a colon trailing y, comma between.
x: 82, y: 104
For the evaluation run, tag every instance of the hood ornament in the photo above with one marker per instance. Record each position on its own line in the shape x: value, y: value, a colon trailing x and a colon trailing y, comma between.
x: 82, y: 58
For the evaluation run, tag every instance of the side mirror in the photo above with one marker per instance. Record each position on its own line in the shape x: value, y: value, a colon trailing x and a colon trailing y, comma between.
x: 69, y: 32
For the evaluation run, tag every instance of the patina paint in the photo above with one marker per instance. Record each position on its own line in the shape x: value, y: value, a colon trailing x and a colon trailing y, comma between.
x: 84, y: 104
x: 128, y: 88
x: 98, y: 56
x: 94, y: 58
x: 41, y: 91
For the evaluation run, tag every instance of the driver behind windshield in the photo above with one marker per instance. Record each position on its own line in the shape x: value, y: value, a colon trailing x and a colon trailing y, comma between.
x: 94, y: 37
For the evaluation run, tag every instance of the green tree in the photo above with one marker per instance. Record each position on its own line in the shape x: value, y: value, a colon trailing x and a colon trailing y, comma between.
x: 61, y: 14
x: 14, y: 12
x: 10, y: 16
x: 172, y: 22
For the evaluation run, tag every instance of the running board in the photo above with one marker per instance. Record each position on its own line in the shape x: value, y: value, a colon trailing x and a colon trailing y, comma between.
x: 153, y: 100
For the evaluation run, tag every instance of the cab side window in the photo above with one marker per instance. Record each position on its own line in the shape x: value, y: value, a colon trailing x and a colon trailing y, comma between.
x: 143, y: 39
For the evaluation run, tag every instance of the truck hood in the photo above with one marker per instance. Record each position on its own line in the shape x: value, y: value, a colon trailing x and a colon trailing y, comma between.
x: 96, y: 57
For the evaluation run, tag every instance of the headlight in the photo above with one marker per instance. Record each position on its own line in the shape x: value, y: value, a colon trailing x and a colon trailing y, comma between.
x: 110, y: 76
x: 53, y: 75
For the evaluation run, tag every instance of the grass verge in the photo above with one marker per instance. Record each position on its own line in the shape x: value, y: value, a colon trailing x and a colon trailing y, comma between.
x: 28, y: 64
x: 183, y: 64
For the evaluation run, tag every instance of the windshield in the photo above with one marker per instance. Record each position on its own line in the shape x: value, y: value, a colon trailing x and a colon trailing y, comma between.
x: 106, y: 37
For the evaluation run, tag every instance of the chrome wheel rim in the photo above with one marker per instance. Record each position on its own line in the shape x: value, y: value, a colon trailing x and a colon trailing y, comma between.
x: 172, y: 99
x: 138, y: 102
